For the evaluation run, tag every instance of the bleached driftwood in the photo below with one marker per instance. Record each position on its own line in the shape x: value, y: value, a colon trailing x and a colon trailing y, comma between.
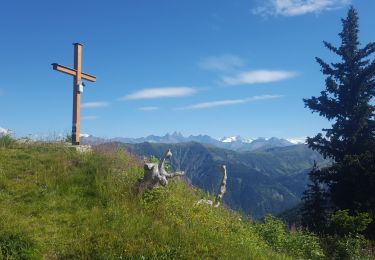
x: 156, y: 174
x: 223, y: 187
x: 221, y: 192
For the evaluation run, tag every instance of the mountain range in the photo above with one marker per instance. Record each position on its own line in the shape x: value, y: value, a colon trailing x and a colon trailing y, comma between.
x: 265, y: 175
x: 235, y: 143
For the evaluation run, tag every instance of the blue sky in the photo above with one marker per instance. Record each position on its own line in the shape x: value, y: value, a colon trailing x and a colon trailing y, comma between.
x: 198, y: 67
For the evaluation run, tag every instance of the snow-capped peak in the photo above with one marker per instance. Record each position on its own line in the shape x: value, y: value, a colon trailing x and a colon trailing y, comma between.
x: 236, y: 138
x: 84, y: 135
x: 229, y: 139
x: 297, y: 140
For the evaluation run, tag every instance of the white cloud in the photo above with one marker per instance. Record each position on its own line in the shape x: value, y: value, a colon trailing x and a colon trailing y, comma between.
x: 84, y: 135
x: 258, y: 76
x: 94, y: 104
x: 4, y: 131
x: 167, y: 92
x: 297, y: 7
x: 228, y: 102
x: 221, y: 63
x: 89, y: 117
x: 148, y: 108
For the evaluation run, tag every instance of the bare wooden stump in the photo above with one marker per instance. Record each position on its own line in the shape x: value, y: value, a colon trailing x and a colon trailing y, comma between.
x: 156, y: 175
x: 221, y: 191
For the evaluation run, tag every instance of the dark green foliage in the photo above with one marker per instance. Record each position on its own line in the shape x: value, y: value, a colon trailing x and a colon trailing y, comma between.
x: 347, y: 247
x: 350, y: 142
x: 293, y: 215
x: 314, y: 209
x: 343, y: 224
x: 349, y: 89
x: 347, y: 241
x: 301, y: 245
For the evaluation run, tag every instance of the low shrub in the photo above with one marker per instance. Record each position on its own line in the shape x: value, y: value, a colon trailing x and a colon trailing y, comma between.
x: 347, y: 247
x: 299, y: 244
x: 347, y: 241
x: 343, y: 224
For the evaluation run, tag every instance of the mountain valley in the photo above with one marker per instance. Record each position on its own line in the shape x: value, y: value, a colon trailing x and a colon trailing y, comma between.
x: 259, y: 182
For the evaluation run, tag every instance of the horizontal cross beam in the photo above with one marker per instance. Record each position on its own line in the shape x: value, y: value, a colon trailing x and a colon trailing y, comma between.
x: 72, y: 72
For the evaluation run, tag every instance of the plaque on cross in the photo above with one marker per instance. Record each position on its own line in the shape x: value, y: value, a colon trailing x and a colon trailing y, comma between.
x: 78, y: 76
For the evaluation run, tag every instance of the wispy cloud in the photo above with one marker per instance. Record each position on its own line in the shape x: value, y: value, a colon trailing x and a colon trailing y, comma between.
x: 167, y: 92
x: 228, y: 102
x: 94, y: 104
x: 297, y: 7
x: 257, y: 77
x: 148, y: 108
x: 221, y: 63
x: 89, y: 117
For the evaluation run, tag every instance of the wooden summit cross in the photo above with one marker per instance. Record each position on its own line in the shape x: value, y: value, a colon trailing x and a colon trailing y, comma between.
x: 78, y: 76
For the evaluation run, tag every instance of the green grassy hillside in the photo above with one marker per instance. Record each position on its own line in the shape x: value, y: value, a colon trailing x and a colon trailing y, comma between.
x: 56, y: 203
x: 259, y: 182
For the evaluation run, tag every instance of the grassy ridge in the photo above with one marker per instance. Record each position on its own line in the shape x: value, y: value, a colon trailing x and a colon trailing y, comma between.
x: 56, y: 203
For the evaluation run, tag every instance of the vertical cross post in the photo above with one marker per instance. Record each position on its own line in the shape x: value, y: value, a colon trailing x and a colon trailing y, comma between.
x: 78, y: 75
x: 76, y: 127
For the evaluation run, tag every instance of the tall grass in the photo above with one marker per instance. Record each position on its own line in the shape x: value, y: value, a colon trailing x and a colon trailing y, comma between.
x: 56, y: 203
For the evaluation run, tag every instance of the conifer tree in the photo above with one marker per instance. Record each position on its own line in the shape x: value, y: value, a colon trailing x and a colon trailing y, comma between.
x: 348, y: 102
x: 314, y: 209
